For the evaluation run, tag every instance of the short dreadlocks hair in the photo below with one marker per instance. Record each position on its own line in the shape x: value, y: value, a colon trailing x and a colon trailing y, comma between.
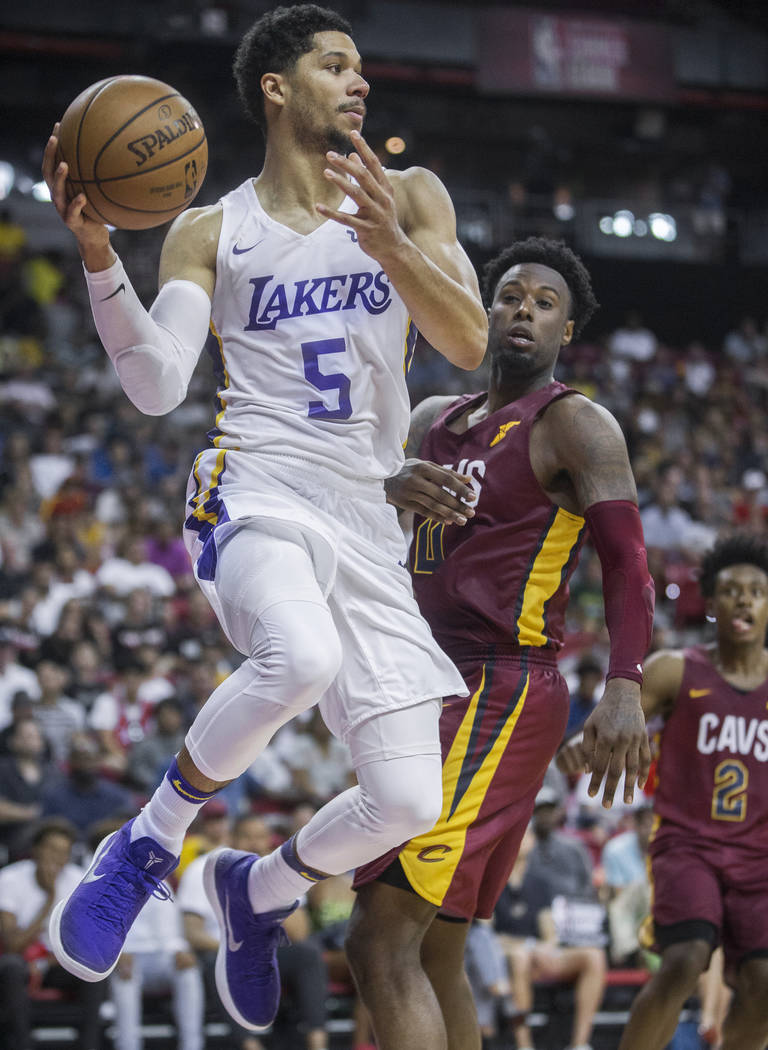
x: 557, y: 256
x: 741, y: 548
x: 274, y: 44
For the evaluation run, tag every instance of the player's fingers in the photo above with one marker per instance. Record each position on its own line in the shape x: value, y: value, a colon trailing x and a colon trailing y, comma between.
x: 612, y: 777
x: 588, y: 738
x: 631, y: 766
x: 455, y: 483
x: 435, y: 498
x: 368, y: 157
x: 352, y: 189
x: 645, y: 762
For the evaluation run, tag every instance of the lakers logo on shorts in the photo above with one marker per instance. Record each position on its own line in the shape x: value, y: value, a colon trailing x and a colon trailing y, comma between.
x: 433, y: 854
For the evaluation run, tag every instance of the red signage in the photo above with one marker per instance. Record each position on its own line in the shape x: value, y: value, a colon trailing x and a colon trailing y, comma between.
x: 527, y: 52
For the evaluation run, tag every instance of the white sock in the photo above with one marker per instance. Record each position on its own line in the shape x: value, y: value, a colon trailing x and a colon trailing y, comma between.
x: 165, y: 818
x: 273, y: 883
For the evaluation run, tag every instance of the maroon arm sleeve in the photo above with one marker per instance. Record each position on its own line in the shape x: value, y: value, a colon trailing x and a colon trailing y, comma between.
x: 628, y: 591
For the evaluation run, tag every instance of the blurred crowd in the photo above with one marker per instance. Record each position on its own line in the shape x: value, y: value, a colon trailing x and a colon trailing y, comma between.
x: 108, y: 648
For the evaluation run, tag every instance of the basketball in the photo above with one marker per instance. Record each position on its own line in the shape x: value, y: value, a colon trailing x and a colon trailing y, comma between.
x: 136, y: 148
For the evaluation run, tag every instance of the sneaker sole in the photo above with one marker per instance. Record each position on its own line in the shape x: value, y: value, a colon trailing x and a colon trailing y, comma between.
x: 209, y: 881
x: 74, y: 966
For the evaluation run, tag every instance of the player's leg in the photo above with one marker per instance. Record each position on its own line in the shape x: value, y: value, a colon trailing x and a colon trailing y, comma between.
x: 442, y: 956
x: 399, y: 794
x: 746, y: 1023
x: 383, y: 946
x: 273, y: 611
x: 656, y: 1008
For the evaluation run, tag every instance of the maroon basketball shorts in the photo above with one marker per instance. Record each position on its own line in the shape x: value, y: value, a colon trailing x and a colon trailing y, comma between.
x: 700, y: 883
x: 496, y: 745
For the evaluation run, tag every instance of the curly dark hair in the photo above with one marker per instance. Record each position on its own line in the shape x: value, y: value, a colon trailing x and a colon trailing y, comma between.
x: 274, y: 44
x: 558, y: 256
x: 741, y: 548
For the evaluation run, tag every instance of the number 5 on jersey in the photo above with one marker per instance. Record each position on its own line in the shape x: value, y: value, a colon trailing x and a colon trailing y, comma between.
x: 326, y: 381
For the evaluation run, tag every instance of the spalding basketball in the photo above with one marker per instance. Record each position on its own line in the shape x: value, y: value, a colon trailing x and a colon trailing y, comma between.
x: 136, y: 148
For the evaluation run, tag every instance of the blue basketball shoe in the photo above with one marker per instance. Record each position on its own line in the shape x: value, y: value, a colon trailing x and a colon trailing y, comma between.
x: 88, y: 928
x: 247, y: 977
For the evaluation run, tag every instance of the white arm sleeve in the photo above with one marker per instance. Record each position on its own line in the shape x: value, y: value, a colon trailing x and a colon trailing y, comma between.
x: 154, y: 352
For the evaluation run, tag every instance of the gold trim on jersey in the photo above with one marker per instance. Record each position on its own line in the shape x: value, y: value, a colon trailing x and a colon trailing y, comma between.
x: 430, y: 860
x: 222, y: 402
x: 546, y: 575
x: 201, y: 496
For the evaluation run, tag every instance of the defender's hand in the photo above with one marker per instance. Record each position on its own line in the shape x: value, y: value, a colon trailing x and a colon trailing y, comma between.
x: 378, y: 230
x: 616, y: 741
x: 437, y: 493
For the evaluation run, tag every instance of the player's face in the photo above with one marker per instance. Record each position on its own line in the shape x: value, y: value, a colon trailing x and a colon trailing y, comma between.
x: 740, y: 603
x: 327, y: 94
x: 529, y: 319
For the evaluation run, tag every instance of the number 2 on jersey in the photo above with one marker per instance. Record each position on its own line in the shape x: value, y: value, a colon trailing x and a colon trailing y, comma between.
x: 729, y: 799
x: 311, y: 351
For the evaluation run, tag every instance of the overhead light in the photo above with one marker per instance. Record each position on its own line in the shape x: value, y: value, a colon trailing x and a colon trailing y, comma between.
x: 7, y: 177
x: 564, y: 211
x: 623, y: 223
x: 606, y: 225
x: 41, y: 192
x: 395, y: 145
x: 663, y: 227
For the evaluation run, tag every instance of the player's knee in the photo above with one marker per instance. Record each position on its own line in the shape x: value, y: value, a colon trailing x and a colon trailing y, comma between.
x: 682, y: 964
x: 411, y: 809
x: 313, y: 664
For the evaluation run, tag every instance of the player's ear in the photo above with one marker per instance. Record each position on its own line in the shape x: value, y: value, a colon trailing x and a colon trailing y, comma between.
x: 272, y: 85
x: 567, y: 334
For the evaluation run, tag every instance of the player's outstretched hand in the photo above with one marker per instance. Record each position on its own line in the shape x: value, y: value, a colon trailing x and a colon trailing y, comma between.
x: 615, y: 741
x: 437, y: 493
x: 86, y: 230
x: 376, y: 224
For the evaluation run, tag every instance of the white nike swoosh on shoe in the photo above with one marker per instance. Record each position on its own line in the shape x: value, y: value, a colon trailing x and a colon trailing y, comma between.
x: 232, y: 944
x: 90, y: 875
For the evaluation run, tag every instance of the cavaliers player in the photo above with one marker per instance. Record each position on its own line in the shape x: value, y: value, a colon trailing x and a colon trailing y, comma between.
x: 313, y: 278
x: 709, y: 853
x: 546, y: 466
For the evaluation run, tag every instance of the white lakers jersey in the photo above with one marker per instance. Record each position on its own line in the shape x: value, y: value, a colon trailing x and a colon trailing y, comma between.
x: 310, y: 344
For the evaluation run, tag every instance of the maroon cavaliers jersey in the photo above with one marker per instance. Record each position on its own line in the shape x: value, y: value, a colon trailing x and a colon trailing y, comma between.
x: 713, y: 765
x: 501, y: 579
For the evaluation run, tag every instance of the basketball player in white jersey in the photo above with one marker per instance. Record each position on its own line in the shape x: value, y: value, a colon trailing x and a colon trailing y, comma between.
x: 313, y: 278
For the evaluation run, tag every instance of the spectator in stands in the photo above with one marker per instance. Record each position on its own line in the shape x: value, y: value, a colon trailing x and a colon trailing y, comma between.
x: 140, y: 625
x: 556, y: 860
x: 150, y: 757
x: 59, y: 716
x: 488, y: 977
x: 665, y: 522
x: 626, y: 887
x: 583, y: 699
x: 130, y: 570
x: 67, y: 581
x: 20, y: 529
x: 745, y: 344
x: 750, y: 509
x: 165, y: 547
x: 89, y: 674
x: 81, y: 794
x: 633, y: 341
x: 14, y: 677
x: 120, y: 716
x: 535, y: 940
x: 28, y: 891
x: 321, y: 764
x: 302, y: 968
x: 23, y: 773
